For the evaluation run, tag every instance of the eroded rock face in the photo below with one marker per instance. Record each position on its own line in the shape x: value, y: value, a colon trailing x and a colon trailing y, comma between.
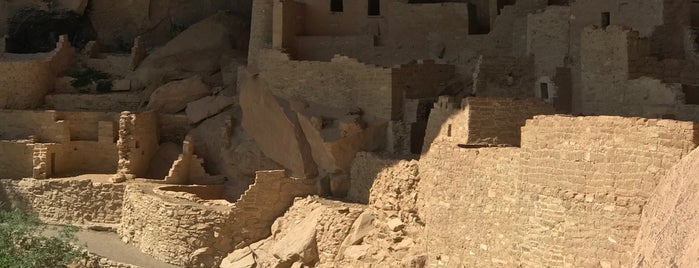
x: 206, y: 107
x: 174, y: 96
x: 668, y: 236
x: 195, y: 51
x: 275, y: 128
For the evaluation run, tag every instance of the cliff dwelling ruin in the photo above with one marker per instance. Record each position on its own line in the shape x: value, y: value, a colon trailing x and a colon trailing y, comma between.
x: 356, y: 133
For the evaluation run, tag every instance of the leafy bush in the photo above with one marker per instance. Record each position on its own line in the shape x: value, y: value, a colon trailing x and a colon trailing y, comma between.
x: 85, y: 77
x: 104, y: 86
x: 23, y: 243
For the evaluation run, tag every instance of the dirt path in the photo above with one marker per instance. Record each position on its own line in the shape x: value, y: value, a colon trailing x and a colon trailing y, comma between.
x: 108, y: 245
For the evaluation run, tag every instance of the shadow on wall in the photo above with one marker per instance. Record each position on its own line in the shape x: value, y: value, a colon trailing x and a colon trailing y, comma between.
x: 35, y: 31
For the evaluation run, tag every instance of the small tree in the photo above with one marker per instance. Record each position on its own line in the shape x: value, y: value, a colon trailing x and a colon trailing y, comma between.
x: 24, y: 243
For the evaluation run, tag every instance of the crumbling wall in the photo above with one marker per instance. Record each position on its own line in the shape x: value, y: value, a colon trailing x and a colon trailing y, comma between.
x: 265, y: 200
x: 571, y: 195
x: 138, y: 142
x: 75, y: 201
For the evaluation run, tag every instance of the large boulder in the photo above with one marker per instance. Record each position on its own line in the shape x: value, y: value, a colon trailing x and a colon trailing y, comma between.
x: 207, y: 107
x: 174, y: 96
x: 197, y: 50
x: 158, y: 21
x: 274, y: 126
x: 669, y: 236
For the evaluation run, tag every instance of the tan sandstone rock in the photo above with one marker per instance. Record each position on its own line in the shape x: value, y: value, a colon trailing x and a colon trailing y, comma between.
x: 280, y: 137
x: 196, y: 50
x: 206, y: 107
x: 668, y: 236
x: 174, y: 96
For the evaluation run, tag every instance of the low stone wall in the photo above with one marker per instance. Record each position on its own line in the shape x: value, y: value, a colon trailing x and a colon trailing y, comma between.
x: 113, y: 102
x: 174, y: 230
x: 63, y: 201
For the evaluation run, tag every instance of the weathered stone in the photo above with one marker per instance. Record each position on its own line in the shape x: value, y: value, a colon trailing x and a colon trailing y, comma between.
x: 197, y: 50
x: 300, y: 242
x: 206, y: 107
x: 241, y: 258
x: 360, y: 228
x: 281, y: 137
x: 356, y: 252
x: 395, y: 224
x: 174, y: 96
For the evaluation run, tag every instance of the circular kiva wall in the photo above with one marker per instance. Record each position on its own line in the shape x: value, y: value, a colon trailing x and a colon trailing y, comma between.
x: 178, y: 224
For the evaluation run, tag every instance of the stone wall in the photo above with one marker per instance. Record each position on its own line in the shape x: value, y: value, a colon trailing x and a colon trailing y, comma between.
x: 547, y: 35
x: 138, y: 142
x: 504, y: 77
x: 619, y: 78
x: 16, y: 159
x: 266, y: 199
x: 113, y: 102
x: 74, y: 142
x: 481, y: 121
x: 342, y: 83
x: 570, y: 196
x: 24, y: 83
x: 75, y: 201
x: 422, y: 79
x: 174, y: 230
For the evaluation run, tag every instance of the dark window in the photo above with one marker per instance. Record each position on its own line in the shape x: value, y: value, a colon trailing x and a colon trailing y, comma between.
x: 606, y: 20
x: 559, y: 2
x: 336, y: 6
x: 544, y: 87
x: 374, y: 8
x: 477, y: 24
x: 449, y: 130
x: 691, y: 94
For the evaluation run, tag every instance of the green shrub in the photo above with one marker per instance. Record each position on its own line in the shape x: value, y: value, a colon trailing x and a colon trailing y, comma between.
x: 104, y: 86
x: 23, y: 243
x: 85, y: 77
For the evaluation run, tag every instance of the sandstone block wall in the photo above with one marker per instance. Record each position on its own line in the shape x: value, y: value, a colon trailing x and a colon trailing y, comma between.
x: 268, y: 198
x: 24, y: 84
x: 481, y: 121
x: 572, y: 195
x: 343, y: 83
x: 79, y: 201
x: 113, y: 102
x: 172, y: 229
